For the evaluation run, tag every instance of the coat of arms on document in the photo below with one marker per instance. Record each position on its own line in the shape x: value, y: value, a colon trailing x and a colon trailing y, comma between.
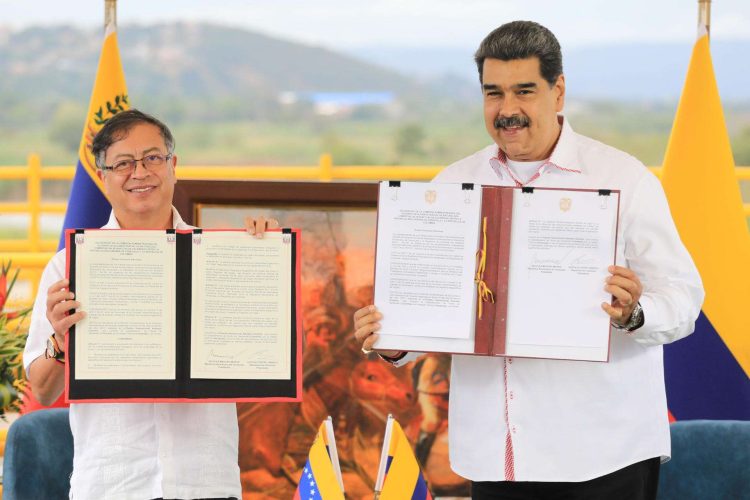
x: 565, y: 204
x: 430, y: 196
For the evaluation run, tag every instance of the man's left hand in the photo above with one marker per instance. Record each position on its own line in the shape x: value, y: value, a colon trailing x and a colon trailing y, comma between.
x: 257, y: 227
x: 626, y: 290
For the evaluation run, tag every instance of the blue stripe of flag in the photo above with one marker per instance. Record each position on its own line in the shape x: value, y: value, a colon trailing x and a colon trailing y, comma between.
x: 87, y: 205
x: 420, y: 490
x: 308, y: 486
x: 704, y: 380
x: 388, y: 463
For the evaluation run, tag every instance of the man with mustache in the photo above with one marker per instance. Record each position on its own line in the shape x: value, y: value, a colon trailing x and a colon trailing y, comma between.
x: 536, y: 428
x: 133, y: 450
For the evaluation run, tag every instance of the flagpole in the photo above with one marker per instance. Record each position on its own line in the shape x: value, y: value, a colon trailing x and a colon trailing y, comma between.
x: 110, y: 13
x: 383, y: 457
x: 704, y: 17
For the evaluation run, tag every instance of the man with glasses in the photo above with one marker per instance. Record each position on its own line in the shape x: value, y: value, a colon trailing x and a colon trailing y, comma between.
x: 133, y: 450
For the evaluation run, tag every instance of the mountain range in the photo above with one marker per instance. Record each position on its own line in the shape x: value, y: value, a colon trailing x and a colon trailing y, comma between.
x: 186, y: 60
x: 195, y: 61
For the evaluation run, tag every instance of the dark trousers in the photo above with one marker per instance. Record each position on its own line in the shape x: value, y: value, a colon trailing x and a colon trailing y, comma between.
x: 635, y: 482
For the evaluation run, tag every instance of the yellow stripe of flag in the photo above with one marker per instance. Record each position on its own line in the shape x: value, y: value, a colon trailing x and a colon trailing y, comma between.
x: 109, y: 97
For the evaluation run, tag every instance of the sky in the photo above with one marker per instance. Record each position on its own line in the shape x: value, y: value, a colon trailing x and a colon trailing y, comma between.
x: 342, y: 24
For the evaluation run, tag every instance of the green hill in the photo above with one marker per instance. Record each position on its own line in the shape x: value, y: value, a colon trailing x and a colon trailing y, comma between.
x: 221, y: 70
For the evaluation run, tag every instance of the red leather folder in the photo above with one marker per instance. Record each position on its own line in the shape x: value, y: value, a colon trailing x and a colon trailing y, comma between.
x: 490, y: 331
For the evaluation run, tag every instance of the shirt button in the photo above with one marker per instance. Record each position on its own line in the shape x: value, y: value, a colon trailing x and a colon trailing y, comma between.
x: 510, y: 395
x: 510, y: 360
x: 513, y: 429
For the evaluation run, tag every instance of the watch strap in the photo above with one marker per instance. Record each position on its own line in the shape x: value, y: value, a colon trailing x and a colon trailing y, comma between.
x: 53, y: 350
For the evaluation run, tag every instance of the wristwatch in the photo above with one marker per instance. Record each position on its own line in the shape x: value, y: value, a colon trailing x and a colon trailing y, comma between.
x: 635, y: 321
x: 53, y: 350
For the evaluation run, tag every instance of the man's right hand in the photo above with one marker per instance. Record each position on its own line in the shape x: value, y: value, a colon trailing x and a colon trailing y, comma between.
x: 60, y: 301
x: 366, y: 324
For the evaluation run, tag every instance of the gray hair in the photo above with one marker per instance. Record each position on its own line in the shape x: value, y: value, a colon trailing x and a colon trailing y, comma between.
x: 117, y: 127
x: 522, y: 40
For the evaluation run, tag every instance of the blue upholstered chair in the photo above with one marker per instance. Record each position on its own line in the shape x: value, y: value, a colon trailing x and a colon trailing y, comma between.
x: 38, y: 456
x: 710, y: 460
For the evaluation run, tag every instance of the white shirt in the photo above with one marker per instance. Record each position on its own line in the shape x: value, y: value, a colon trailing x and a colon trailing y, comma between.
x: 551, y: 420
x: 138, y: 451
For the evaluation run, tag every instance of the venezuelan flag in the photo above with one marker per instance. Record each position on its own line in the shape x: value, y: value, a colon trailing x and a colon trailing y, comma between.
x: 403, y: 477
x: 87, y: 205
x: 318, y: 480
x: 707, y: 372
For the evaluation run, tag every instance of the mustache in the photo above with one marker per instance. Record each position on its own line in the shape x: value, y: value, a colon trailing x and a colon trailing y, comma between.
x: 511, y: 121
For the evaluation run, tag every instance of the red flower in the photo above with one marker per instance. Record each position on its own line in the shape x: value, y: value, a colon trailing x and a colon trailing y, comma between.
x: 3, y: 286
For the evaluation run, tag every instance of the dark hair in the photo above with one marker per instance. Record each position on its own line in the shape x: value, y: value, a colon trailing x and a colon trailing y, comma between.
x: 521, y: 40
x: 117, y: 127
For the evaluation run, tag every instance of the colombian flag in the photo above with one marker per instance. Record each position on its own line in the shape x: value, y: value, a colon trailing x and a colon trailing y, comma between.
x: 403, y: 478
x: 318, y: 480
x: 87, y: 205
x: 707, y: 372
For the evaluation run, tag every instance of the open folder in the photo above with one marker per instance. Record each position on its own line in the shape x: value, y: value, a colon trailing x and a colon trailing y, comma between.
x: 184, y: 315
x: 495, y: 271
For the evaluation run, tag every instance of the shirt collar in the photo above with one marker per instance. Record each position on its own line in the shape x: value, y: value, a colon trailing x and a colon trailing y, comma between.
x: 177, y: 222
x: 563, y: 157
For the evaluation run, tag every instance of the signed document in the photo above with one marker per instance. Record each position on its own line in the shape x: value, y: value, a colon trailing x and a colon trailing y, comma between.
x: 562, y: 242
x: 184, y: 315
x: 241, y: 306
x: 124, y: 281
x: 496, y: 271
x: 426, y: 252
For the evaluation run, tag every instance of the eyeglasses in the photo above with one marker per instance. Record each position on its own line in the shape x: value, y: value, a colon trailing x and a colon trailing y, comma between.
x: 149, y: 162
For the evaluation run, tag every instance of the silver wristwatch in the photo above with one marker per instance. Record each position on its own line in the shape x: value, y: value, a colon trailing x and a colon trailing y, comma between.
x: 635, y: 321
x: 53, y: 350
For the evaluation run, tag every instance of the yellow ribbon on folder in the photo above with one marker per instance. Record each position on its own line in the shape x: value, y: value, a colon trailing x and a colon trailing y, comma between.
x: 483, y: 291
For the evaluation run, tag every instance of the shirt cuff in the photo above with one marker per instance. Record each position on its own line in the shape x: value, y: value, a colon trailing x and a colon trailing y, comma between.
x: 650, y: 315
x: 393, y: 360
x: 401, y: 359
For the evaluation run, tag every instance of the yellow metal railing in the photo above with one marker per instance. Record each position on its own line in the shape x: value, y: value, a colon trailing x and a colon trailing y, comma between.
x: 32, y: 253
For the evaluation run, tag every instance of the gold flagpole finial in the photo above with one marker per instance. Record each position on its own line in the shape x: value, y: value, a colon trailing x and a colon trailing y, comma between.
x: 110, y: 13
x: 704, y: 16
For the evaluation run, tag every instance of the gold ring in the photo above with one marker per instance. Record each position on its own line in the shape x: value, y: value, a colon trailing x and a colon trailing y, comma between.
x: 366, y: 352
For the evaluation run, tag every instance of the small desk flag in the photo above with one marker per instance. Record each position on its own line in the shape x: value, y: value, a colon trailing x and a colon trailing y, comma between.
x: 321, y: 476
x: 399, y: 477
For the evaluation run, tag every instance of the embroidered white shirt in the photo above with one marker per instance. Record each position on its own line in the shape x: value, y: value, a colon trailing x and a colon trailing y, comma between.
x: 551, y: 420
